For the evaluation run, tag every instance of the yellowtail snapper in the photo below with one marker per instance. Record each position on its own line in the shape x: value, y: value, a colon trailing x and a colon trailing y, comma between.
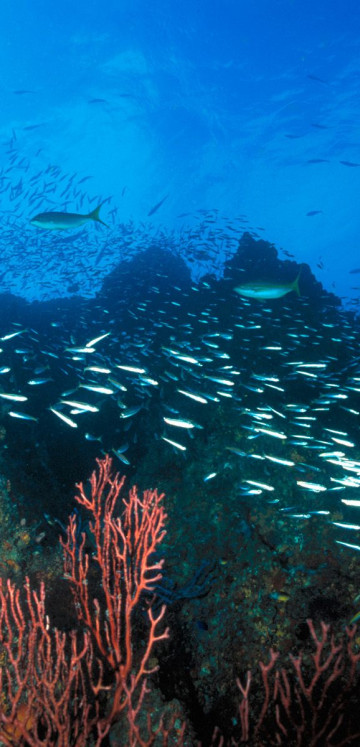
x: 268, y: 290
x: 58, y: 221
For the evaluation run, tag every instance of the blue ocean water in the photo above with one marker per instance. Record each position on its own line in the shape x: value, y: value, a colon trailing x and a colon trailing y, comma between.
x: 179, y: 191
x: 248, y: 108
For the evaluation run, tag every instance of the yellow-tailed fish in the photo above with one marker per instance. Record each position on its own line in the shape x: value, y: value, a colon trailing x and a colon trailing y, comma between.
x: 59, y: 221
x: 268, y: 290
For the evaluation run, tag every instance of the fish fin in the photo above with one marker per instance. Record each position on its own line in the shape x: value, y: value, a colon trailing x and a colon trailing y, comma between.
x: 94, y: 215
x: 295, y: 285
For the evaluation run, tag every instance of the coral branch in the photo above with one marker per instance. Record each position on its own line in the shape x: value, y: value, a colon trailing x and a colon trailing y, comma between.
x: 305, y: 705
x: 125, y: 548
x: 42, y: 677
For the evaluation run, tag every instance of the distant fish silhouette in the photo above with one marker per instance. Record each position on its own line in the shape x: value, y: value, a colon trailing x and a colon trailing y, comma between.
x: 157, y: 206
x: 319, y: 80
x: 314, y: 212
x: 34, y: 126
x: 349, y: 163
x: 84, y: 179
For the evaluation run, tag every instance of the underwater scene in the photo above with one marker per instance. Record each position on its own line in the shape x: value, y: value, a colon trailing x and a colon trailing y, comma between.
x: 180, y: 374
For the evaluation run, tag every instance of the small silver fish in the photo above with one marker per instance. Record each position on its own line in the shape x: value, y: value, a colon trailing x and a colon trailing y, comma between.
x: 131, y: 369
x: 22, y: 416
x: 37, y: 382
x: 63, y: 417
x: 179, y: 423
x: 192, y: 395
x: 130, y: 411
x: 79, y: 405
x: 174, y: 443
x: 12, y: 334
x: 120, y: 456
x: 96, y: 340
x: 13, y: 397
x: 98, y: 389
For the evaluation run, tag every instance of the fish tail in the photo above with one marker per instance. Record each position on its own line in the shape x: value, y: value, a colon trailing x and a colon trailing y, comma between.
x: 94, y: 215
x: 295, y: 285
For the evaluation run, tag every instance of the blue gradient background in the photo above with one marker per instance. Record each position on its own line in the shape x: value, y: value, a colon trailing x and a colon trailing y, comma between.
x: 217, y: 104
